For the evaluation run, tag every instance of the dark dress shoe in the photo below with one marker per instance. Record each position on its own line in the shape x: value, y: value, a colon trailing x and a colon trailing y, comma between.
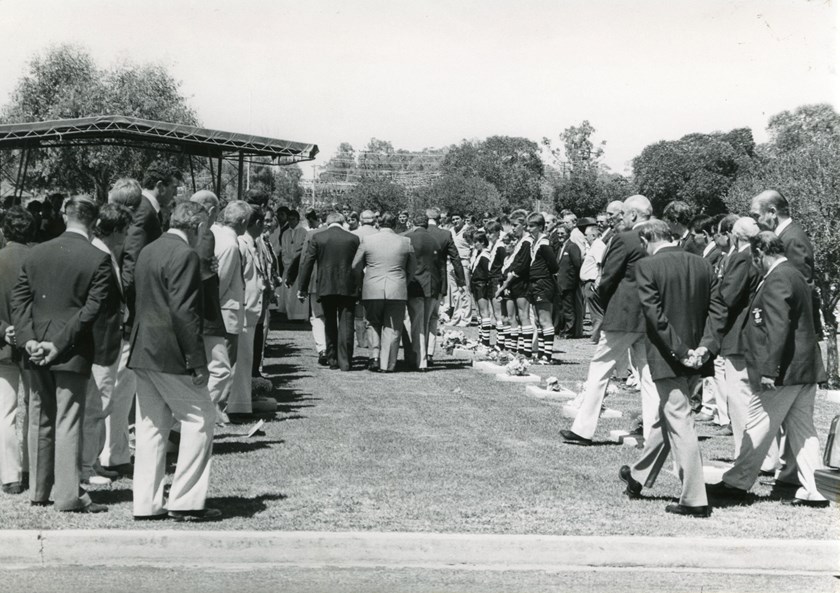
x: 126, y: 470
x: 13, y: 488
x: 634, y: 488
x: 158, y: 517
x: 333, y: 365
x: 574, y: 439
x: 40, y: 503
x: 721, y: 490
x: 802, y: 502
x: 679, y: 509
x: 196, y: 516
x: 322, y: 359
x: 91, y: 508
x: 373, y: 367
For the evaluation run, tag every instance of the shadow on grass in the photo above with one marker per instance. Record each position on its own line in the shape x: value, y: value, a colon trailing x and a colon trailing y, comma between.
x: 238, y: 506
x: 231, y: 447
x: 112, y: 495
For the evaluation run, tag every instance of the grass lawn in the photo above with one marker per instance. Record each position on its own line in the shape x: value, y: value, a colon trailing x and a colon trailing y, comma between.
x: 451, y: 450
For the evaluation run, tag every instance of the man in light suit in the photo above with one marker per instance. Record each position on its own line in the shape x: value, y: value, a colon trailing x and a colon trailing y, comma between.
x: 675, y: 289
x: 622, y: 329
x: 367, y: 227
x: 784, y: 365
x: 58, y: 296
x: 253, y: 276
x: 333, y: 249
x: 231, y: 296
x: 18, y: 230
x: 167, y: 355
x: 425, y: 289
x: 388, y: 260
x: 446, y: 252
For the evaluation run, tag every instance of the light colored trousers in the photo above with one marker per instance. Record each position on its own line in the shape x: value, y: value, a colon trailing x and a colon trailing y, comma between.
x: 319, y: 333
x: 219, y: 366
x: 420, y: 313
x: 791, y: 407
x: 116, y: 451
x: 387, y: 318
x: 14, y: 454
x: 239, y: 400
x: 715, y: 395
x: 738, y: 395
x: 611, y: 349
x: 100, y: 391
x: 163, y: 399
x: 673, y: 431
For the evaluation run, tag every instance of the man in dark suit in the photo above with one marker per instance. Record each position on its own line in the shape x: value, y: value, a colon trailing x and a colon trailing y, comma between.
x: 622, y: 329
x: 425, y: 289
x: 19, y: 230
x: 167, y: 355
x: 678, y: 215
x: 446, y: 252
x: 567, y: 322
x: 723, y: 336
x: 675, y: 289
x: 784, y: 365
x: 58, y: 296
x: 333, y: 249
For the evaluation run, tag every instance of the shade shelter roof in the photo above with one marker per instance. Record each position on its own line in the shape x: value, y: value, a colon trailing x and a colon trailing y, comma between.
x: 142, y: 133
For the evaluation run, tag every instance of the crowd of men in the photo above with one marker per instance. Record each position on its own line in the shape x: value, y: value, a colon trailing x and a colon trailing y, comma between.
x: 162, y: 305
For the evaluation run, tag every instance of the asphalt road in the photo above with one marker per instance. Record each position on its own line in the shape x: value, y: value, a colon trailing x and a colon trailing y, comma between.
x: 346, y: 580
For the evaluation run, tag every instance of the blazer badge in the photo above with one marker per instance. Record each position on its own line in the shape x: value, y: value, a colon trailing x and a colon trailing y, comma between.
x: 757, y: 316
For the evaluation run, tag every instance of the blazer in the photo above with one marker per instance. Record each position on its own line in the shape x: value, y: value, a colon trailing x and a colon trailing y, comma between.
x: 167, y: 336
x: 446, y: 246
x: 211, y: 310
x: 389, y: 265
x: 253, y: 276
x: 617, y: 290
x: 12, y: 256
x: 732, y: 298
x: 145, y: 228
x: 674, y: 290
x: 430, y: 265
x: 798, y: 249
x: 569, y: 260
x: 107, y: 328
x: 61, y: 289
x: 333, y: 249
x: 781, y: 341
x: 231, y: 284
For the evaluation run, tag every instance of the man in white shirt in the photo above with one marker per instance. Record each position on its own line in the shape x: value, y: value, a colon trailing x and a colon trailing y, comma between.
x: 590, y: 273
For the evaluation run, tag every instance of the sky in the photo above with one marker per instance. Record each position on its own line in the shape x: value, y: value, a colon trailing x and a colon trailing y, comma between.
x: 430, y: 73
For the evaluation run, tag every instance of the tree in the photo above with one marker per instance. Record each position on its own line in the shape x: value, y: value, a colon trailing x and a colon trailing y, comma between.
x: 467, y: 195
x: 581, y: 182
x: 801, y: 161
x: 698, y: 168
x: 65, y: 83
x: 511, y: 164
x: 377, y: 194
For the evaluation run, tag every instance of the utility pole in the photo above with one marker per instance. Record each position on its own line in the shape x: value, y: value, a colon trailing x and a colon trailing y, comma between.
x: 314, y: 177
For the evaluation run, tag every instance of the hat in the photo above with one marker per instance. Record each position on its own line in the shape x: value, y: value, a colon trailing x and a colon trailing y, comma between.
x: 585, y: 222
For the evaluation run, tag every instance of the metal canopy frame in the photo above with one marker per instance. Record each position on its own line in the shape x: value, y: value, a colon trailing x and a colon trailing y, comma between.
x: 120, y: 130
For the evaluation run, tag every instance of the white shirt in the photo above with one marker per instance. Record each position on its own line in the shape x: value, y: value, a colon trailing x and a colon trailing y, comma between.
x: 708, y: 249
x: 179, y: 233
x: 590, y: 269
x: 782, y: 226
x: 153, y: 200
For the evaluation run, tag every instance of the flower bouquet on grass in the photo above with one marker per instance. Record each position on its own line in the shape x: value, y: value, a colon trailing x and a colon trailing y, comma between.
x: 518, y: 367
x: 452, y: 339
x: 552, y: 384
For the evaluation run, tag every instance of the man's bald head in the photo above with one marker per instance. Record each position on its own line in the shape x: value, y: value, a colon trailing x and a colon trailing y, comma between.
x: 637, y: 208
x: 769, y: 208
x: 207, y: 200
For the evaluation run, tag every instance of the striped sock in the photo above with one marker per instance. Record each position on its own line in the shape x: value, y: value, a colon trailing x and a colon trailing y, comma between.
x: 547, y: 349
x: 502, y: 332
x: 513, y: 339
x: 527, y: 346
x: 484, y: 332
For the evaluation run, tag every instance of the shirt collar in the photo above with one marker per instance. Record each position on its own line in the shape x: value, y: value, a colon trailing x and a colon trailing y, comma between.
x: 79, y: 232
x: 664, y: 246
x: 153, y: 200
x: 338, y: 224
x: 100, y: 245
x: 708, y: 249
x: 743, y: 247
x: 179, y: 233
x: 783, y: 225
x: 775, y: 265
